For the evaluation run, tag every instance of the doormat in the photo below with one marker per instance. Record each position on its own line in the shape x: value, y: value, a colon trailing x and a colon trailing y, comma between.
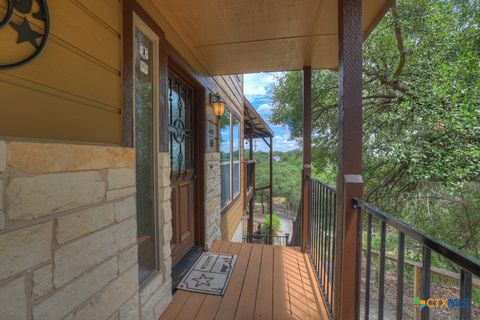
x: 210, y: 274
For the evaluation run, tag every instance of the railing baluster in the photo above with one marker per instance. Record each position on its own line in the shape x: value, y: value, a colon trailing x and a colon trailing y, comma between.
x: 358, y: 261
x: 324, y: 234
x: 320, y: 234
x: 465, y: 295
x: 312, y: 216
x: 319, y: 230
x: 332, y: 237
x: 315, y: 219
x: 381, y: 272
x: 334, y: 209
x: 327, y: 248
x: 368, y: 266
x: 330, y: 241
x: 400, y: 274
x: 319, y: 223
x: 426, y: 272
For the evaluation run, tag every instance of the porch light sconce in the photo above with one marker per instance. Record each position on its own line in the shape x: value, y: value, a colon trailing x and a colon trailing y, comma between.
x: 217, y: 103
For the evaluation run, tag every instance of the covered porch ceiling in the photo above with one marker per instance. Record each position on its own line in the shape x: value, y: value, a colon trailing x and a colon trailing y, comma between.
x: 244, y: 36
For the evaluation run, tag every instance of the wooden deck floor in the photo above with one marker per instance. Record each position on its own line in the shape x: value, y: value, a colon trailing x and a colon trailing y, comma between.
x: 268, y: 282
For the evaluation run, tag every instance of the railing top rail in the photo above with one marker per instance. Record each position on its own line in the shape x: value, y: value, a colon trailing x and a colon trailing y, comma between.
x: 463, y: 261
x: 326, y: 185
x: 264, y: 187
x: 250, y: 161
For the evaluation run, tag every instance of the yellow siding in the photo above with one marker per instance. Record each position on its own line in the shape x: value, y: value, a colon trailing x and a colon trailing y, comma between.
x: 231, y: 89
x: 72, y: 91
x: 231, y: 220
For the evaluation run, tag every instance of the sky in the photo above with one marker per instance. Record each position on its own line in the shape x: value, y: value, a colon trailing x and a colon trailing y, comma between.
x: 255, y: 89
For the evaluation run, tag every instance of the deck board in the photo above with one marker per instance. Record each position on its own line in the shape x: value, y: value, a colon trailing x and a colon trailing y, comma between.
x: 310, y: 297
x: 193, y: 304
x: 281, y: 299
x: 264, y: 303
x: 268, y: 282
x: 210, y: 305
x: 248, y: 296
x: 228, y: 305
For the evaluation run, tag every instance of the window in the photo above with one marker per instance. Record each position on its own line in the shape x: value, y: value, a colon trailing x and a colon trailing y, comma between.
x: 230, y: 166
x: 145, y: 103
x: 236, y: 155
x: 225, y: 157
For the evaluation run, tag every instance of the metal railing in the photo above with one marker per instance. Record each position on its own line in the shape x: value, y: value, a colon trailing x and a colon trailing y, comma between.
x: 277, y: 240
x: 427, y: 244
x: 321, y: 236
x: 321, y: 248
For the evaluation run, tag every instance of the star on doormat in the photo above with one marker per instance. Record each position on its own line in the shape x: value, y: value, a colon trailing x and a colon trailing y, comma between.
x: 203, y: 280
x: 210, y: 274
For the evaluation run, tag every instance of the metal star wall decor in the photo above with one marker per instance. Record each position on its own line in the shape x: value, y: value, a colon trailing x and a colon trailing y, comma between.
x: 24, y: 29
x: 25, y: 33
x: 23, y: 6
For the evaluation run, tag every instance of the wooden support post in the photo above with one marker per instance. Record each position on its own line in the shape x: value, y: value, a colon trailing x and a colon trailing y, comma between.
x: 417, y: 292
x: 270, y: 204
x: 349, y: 180
x: 307, y: 153
x: 251, y: 206
x: 251, y: 146
x: 251, y: 202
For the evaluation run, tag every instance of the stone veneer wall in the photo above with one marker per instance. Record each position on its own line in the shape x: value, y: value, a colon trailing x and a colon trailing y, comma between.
x: 156, y: 294
x: 68, y: 234
x: 212, y: 197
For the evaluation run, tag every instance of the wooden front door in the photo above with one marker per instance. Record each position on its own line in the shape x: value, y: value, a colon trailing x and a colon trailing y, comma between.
x: 182, y: 157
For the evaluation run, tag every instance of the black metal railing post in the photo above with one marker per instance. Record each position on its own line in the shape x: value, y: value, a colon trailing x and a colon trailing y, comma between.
x: 400, y: 274
x: 368, y: 266
x: 381, y: 272
x: 426, y: 273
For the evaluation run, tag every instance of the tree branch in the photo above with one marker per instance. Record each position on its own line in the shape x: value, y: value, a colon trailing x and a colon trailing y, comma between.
x: 400, y: 46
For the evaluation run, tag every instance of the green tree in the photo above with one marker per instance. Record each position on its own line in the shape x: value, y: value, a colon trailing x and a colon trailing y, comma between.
x: 421, y: 103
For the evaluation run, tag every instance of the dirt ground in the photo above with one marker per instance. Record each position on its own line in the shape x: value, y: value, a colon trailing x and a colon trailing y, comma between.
x: 438, y: 289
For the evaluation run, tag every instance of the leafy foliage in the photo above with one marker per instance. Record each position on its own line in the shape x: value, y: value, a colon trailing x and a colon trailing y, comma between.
x: 275, y: 224
x: 286, y: 176
x: 421, y: 103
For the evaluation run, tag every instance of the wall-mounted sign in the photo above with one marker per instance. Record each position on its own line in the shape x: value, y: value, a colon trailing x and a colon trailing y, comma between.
x: 143, y: 52
x: 27, y: 10
x: 211, y: 137
x: 144, y: 67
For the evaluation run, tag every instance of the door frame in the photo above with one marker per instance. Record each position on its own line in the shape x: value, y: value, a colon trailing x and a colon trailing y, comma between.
x: 168, y: 57
x: 176, y: 65
x: 139, y: 21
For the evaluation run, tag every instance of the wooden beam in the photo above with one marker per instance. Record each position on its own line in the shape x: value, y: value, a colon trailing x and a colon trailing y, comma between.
x: 266, y: 142
x: 264, y: 187
x: 349, y: 180
x: 251, y: 202
x: 270, y: 205
x: 307, y: 152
